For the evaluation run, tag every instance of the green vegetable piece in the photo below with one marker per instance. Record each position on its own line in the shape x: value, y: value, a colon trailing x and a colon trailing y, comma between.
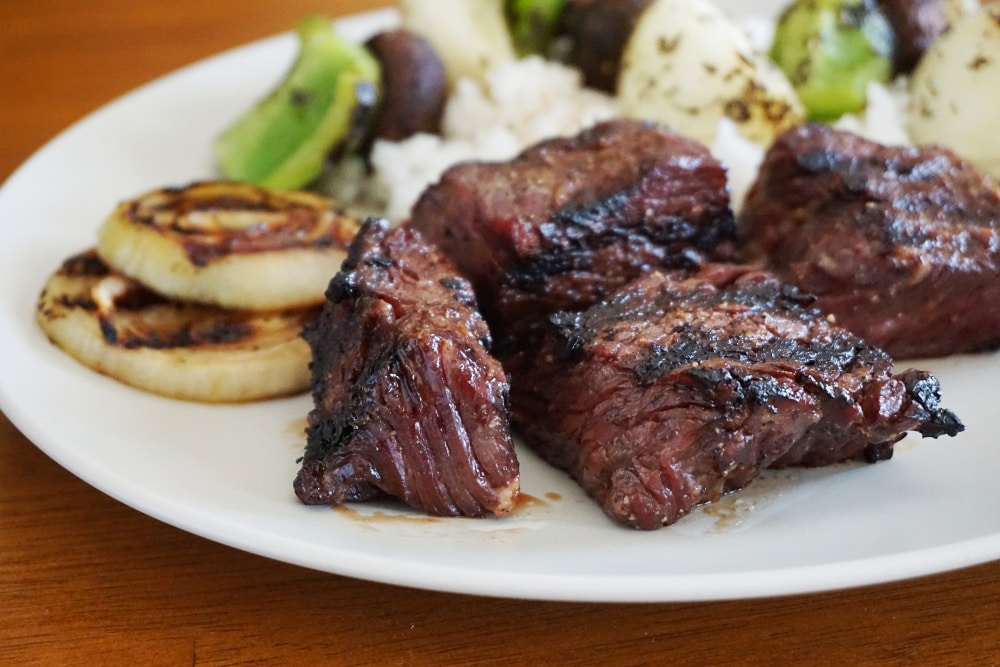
x: 533, y: 24
x: 830, y: 50
x: 321, y: 107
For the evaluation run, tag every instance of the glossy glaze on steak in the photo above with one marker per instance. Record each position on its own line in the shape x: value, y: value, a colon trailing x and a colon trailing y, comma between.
x: 901, y: 245
x: 571, y: 219
x: 408, y: 402
x: 681, y: 387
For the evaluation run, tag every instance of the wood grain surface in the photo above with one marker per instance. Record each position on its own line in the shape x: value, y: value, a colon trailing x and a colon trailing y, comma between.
x: 87, y: 580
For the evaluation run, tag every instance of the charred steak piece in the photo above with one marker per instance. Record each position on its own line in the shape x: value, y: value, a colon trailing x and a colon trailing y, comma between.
x: 408, y: 402
x: 683, y: 386
x: 571, y: 219
x: 901, y: 245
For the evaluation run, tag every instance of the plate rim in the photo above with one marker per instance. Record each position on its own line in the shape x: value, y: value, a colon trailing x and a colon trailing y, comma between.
x: 616, y: 588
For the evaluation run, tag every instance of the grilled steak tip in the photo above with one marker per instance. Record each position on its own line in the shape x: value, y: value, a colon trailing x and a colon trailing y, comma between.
x: 684, y: 386
x: 407, y: 401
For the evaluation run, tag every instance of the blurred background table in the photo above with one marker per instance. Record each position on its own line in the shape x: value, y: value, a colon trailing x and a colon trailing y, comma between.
x: 87, y: 580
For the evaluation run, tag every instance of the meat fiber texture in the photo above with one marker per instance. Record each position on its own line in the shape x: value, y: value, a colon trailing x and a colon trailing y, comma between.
x: 571, y: 219
x: 407, y: 401
x: 901, y: 245
x: 682, y: 387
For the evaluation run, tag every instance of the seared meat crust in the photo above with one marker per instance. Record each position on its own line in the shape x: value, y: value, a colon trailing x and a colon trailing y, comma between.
x: 408, y: 402
x: 901, y: 245
x: 681, y: 387
x: 571, y: 219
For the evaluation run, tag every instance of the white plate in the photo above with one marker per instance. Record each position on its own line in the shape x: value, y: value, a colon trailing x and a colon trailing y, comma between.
x: 225, y: 472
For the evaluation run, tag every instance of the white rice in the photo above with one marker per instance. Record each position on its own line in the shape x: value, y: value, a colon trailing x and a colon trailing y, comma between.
x: 884, y: 119
x: 525, y: 101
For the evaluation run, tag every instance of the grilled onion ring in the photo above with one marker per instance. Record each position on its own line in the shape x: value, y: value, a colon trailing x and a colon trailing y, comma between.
x: 182, y: 350
x: 230, y: 244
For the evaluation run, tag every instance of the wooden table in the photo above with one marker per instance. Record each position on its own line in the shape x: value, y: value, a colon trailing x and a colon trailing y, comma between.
x: 87, y: 580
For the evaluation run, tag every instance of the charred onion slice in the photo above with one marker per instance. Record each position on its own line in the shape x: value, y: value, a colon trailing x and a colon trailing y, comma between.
x: 230, y: 244
x: 183, y: 350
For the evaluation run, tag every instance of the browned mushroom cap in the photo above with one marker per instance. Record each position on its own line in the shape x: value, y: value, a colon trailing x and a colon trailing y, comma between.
x: 599, y: 30
x: 915, y: 23
x: 414, y: 85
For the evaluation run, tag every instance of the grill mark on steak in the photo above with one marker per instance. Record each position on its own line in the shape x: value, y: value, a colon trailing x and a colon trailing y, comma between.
x: 407, y: 401
x: 691, y: 345
x: 683, y: 386
x: 570, y: 219
x: 569, y: 241
x: 901, y: 245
